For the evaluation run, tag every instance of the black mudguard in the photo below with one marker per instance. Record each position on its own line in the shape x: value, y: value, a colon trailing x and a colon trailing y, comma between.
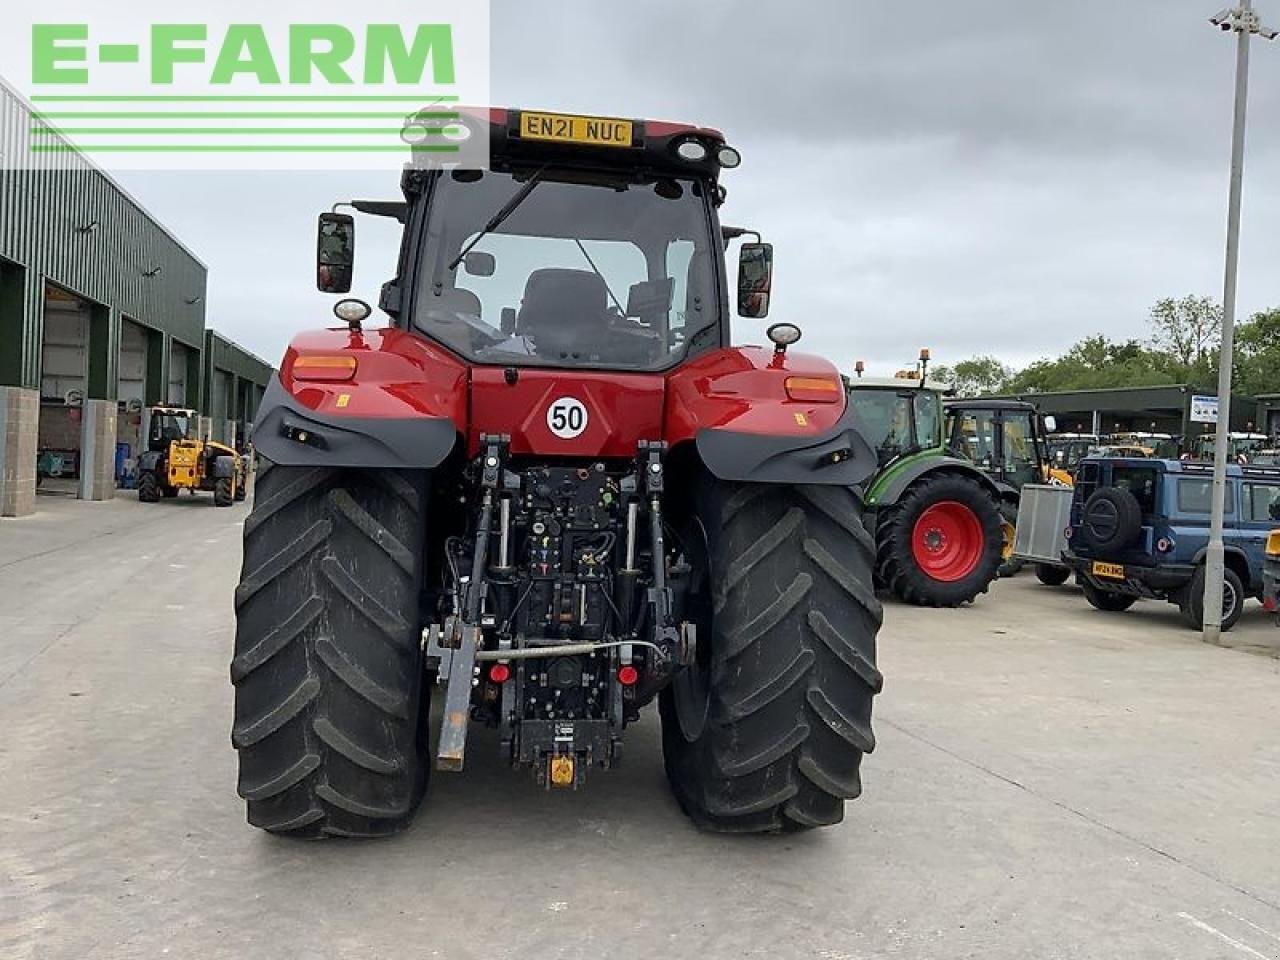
x: 151, y: 462
x: 838, y: 457
x: 287, y: 433
x: 224, y: 467
x: 898, y: 486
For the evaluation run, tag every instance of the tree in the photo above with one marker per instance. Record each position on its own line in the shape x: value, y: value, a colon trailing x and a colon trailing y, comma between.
x: 977, y: 376
x: 1188, y: 329
x: 1093, y: 363
x: 1258, y: 353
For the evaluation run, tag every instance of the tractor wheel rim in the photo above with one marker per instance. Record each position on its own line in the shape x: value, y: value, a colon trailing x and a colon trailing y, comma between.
x: 947, y: 541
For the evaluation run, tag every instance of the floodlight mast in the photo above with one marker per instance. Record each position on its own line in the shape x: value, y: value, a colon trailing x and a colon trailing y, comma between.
x: 1244, y: 21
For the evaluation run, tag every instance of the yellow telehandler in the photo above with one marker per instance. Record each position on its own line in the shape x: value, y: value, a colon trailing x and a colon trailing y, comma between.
x: 178, y: 458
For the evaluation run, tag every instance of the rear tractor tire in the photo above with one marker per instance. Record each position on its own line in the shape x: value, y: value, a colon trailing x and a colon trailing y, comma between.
x: 330, y: 705
x: 766, y: 732
x: 940, y: 544
x: 148, y: 488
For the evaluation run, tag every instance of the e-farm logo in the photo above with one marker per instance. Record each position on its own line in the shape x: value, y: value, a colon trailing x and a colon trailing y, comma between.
x: 254, y: 88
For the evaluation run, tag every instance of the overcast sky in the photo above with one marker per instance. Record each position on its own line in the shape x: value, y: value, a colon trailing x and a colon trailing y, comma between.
x: 976, y: 177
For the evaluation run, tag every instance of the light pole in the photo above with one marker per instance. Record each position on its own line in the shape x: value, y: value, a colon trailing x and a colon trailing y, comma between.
x: 1244, y: 22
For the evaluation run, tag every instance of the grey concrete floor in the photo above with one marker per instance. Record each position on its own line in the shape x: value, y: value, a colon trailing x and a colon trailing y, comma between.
x: 1050, y: 782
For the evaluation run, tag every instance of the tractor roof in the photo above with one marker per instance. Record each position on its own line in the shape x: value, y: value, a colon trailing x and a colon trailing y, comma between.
x: 898, y: 383
x: 519, y: 137
x: 982, y: 403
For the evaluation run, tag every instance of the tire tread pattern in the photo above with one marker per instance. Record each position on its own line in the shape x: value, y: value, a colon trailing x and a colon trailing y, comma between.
x: 327, y: 669
x: 792, y: 661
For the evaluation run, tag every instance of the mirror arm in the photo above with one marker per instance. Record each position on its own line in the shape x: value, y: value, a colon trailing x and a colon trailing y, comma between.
x: 733, y: 233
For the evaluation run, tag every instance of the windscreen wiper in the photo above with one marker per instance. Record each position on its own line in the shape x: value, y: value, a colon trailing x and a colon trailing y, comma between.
x: 596, y: 271
x: 497, y: 219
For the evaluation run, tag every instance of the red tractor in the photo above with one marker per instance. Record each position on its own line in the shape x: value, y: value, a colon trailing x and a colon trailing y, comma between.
x: 552, y: 492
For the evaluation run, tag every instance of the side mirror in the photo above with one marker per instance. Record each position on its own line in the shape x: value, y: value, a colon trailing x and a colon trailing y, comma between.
x: 755, y: 279
x: 477, y: 263
x: 335, y: 252
x: 1051, y: 423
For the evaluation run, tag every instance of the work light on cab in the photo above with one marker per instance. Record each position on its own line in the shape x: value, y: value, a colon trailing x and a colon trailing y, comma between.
x: 783, y: 335
x: 695, y: 151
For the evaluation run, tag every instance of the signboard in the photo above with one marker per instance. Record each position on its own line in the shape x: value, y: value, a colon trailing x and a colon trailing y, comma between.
x: 1204, y: 409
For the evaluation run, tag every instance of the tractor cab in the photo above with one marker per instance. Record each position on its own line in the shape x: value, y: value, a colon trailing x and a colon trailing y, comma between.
x: 169, y: 424
x: 1241, y: 446
x: 1066, y: 450
x: 1004, y: 438
x: 899, y: 416
x: 585, y: 244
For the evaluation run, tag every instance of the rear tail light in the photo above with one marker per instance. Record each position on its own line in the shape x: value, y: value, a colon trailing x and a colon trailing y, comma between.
x: 628, y: 675
x: 814, y: 389
x: 324, y: 367
x: 499, y: 673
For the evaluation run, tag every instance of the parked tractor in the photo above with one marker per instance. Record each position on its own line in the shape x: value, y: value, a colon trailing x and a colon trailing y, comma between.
x: 1065, y: 451
x: 1005, y: 440
x: 178, y: 458
x: 935, y: 516
x: 1240, y: 446
x: 552, y: 491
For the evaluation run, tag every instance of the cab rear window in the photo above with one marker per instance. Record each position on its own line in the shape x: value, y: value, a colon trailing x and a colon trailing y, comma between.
x: 1196, y: 496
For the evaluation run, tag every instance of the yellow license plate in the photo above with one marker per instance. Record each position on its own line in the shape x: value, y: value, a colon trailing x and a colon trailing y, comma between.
x: 1113, y: 570
x: 563, y: 128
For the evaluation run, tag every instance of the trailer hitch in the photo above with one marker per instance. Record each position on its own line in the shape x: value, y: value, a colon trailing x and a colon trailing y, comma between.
x: 463, y: 633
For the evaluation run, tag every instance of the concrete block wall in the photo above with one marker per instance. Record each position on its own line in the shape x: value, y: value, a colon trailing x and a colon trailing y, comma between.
x: 98, y: 450
x: 19, y: 427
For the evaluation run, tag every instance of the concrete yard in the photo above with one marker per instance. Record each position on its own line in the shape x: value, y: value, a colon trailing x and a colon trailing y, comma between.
x: 1050, y: 782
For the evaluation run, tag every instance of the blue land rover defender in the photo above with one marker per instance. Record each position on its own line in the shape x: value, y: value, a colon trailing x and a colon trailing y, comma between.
x: 1140, y: 528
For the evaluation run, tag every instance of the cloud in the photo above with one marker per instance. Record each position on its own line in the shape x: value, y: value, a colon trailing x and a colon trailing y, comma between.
x: 978, y: 177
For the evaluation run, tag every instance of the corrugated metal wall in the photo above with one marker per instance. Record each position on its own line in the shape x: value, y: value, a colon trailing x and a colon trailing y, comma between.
x: 44, y: 216
x: 235, y: 381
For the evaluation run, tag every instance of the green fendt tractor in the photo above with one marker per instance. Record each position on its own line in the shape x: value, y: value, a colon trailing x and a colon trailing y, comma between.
x: 935, y: 516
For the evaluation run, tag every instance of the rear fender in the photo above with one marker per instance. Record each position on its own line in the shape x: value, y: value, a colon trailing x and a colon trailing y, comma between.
x: 733, y: 406
x: 899, y: 483
x: 404, y: 408
x: 224, y: 467
x: 151, y: 462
